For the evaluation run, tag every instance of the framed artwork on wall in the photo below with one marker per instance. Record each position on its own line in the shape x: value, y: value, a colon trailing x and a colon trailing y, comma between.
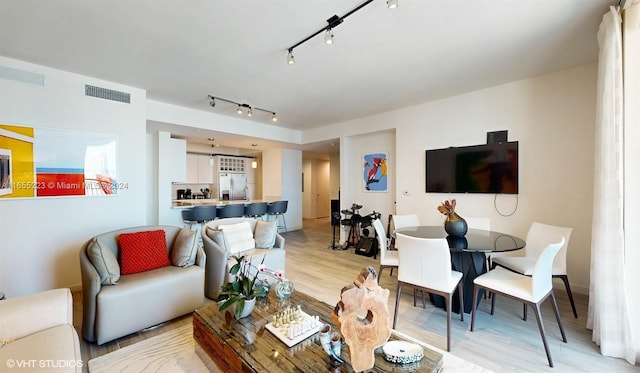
x: 44, y: 162
x: 374, y: 172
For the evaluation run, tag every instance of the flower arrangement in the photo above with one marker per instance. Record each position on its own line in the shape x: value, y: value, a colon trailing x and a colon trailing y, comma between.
x: 246, y: 277
x: 447, y: 207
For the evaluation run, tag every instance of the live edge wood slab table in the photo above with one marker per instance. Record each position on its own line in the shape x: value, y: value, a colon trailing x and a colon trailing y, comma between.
x: 246, y: 345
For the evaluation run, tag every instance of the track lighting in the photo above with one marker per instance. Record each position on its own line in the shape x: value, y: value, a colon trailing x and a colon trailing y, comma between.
x: 328, y: 36
x: 240, y: 107
x: 332, y: 22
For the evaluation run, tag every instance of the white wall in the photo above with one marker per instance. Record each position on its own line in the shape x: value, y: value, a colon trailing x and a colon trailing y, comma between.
x: 41, y: 237
x: 282, y: 180
x: 552, y: 117
x: 351, y: 175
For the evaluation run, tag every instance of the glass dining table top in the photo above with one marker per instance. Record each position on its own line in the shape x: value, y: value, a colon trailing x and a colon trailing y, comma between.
x: 476, y: 240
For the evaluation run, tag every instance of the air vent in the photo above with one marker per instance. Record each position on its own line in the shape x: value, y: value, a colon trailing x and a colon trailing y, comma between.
x: 21, y: 76
x: 107, y: 94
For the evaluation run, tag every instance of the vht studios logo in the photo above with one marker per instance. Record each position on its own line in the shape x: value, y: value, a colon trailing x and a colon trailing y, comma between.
x: 42, y: 363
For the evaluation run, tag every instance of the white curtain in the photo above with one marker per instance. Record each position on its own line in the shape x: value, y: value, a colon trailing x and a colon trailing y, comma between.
x: 611, y: 304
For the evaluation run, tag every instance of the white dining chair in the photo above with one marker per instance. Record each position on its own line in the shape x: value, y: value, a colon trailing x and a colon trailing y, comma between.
x: 402, y: 221
x: 531, y: 290
x: 388, y: 259
x: 538, y: 237
x: 425, y: 264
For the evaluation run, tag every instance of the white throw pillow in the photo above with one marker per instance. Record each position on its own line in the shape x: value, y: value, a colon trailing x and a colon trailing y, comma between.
x: 265, y: 235
x: 238, y: 237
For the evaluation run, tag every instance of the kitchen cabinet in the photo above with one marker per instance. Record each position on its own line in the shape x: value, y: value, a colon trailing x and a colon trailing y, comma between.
x: 199, y: 170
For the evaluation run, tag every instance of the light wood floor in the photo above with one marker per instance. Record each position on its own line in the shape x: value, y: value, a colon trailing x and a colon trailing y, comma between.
x: 502, y: 342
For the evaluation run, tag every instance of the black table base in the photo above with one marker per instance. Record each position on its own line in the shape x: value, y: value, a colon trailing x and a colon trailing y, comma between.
x: 472, y: 265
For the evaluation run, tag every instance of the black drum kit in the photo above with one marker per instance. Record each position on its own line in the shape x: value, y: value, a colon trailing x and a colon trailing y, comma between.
x: 358, y: 225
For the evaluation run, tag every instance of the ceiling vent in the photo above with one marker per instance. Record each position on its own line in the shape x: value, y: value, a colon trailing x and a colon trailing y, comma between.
x: 107, y: 94
x: 21, y: 76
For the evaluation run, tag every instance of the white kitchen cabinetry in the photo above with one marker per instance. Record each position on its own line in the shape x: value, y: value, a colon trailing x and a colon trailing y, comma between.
x: 199, y: 170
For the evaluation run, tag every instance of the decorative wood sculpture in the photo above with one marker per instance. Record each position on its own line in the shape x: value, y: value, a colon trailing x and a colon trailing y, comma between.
x: 362, y: 315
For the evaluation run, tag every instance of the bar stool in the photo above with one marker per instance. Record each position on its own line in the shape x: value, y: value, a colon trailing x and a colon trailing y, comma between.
x: 278, y: 209
x: 232, y: 210
x: 204, y: 214
x: 188, y: 217
x: 255, y: 210
x: 198, y: 215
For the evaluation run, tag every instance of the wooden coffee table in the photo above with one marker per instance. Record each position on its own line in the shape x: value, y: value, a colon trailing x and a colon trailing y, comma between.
x: 247, y: 346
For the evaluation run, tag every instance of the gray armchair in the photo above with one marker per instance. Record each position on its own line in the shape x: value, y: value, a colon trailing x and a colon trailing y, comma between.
x: 218, y: 255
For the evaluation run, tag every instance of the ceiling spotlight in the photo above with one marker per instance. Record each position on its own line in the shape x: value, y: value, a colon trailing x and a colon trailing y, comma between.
x: 328, y: 36
x: 274, y: 117
x: 332, y: 23
x: 290, y: 59
x: 239, y: 109
x: 249, y: 111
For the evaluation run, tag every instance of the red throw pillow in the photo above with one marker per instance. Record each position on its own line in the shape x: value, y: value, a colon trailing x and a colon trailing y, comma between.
x: 143, y: 251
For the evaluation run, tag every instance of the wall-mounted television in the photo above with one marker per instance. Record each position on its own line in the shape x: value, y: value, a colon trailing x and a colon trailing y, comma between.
x: 490, y: 168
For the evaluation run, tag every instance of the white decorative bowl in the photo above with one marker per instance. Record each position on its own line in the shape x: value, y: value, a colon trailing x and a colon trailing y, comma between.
x: 402, y: 352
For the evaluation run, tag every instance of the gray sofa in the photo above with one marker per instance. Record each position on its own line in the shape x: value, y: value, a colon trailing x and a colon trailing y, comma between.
x: 138, y: 300
x: 219, y: 260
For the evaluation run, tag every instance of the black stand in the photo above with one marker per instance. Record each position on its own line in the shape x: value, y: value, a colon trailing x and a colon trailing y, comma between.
x: 335, y: 223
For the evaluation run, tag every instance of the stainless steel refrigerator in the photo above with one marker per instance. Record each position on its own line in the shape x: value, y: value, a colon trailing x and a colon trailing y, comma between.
x: 232, y: 186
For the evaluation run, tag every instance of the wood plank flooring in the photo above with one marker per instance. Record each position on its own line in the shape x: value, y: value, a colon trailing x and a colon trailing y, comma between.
x: 502, y: 342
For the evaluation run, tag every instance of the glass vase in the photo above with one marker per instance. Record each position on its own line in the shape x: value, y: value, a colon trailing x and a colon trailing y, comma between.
x: 284, y: 289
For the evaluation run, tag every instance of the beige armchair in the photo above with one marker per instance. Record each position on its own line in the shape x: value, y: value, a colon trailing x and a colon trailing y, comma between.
x: 218, y: 254
x: 38, y: 328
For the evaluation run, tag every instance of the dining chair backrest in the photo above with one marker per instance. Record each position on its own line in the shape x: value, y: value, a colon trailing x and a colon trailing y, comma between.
x: 478, y: 223
x: 407, y: 220
x: 382, y: 238
x: 424, y: 261
x: 540, y: 235
x: 541, y: 277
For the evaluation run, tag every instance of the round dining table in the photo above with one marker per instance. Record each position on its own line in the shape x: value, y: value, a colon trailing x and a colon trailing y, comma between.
x: 468, y: 255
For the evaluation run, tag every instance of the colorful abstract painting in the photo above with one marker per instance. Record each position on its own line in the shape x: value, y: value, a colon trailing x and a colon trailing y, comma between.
x: 375, y: 172
x: 44, y: 162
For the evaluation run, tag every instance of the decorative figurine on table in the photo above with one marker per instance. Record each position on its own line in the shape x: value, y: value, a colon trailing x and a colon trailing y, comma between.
x: 363, y: 333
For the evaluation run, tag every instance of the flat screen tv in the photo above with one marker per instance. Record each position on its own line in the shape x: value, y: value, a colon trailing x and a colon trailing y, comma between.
x: 490, y: 168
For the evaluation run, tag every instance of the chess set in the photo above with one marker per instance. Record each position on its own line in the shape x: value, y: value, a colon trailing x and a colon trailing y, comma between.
x: 292, y: 325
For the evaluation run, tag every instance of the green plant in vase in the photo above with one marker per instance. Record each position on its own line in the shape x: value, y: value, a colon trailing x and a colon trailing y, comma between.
x: 246, y: 285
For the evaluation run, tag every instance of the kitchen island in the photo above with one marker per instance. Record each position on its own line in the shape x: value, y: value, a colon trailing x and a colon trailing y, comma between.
x: 187, y: 203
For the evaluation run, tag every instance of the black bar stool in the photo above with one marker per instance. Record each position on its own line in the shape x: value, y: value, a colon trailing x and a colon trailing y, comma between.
x: 255, y: 210
x: 278, y: 209
x: 232, y: 210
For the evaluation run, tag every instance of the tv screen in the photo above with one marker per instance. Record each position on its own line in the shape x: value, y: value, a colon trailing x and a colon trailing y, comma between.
x: 490, y: 168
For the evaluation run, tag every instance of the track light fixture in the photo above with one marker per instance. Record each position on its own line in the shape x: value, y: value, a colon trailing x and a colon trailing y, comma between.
x: 241, y: 107
x: 328, y: 36
x: 332, y: 22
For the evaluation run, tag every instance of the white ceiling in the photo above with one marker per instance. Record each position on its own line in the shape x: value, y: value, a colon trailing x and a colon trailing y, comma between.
x: 182, y: 51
